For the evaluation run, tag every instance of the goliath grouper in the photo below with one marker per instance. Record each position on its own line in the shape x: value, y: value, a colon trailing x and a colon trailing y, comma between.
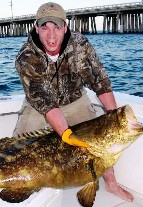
x: 41, y: 159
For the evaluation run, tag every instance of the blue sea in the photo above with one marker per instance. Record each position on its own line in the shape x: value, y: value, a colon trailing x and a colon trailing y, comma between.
x: 121, y: 54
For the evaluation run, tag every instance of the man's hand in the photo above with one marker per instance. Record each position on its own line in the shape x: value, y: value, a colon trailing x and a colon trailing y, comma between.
x: 71, y: 139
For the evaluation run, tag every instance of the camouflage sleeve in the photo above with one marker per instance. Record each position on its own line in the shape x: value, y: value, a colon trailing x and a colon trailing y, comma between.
x: 92, y: 70
x: 33, y: 86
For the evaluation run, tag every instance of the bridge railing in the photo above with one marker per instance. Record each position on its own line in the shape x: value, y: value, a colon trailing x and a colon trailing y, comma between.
x: 29, y: 16
x: 113, y: 6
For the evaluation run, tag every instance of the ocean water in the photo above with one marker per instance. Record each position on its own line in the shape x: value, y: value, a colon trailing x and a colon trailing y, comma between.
x: 121, y: 54
x: 9, y: 80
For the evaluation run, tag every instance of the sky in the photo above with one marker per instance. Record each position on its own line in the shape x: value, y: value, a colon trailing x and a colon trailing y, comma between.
x: 25, y: 7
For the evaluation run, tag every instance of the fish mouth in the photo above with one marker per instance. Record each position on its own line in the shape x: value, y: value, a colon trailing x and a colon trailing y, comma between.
x: 133, y: 125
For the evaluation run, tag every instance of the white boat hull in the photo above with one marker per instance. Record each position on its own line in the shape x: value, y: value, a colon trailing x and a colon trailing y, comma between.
x: 128, y: 170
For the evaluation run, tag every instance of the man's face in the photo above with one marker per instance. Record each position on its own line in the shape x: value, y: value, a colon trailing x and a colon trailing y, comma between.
x: 51, y: 36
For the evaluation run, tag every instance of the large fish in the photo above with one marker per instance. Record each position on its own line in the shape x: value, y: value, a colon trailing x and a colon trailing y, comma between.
x: 42, y: 159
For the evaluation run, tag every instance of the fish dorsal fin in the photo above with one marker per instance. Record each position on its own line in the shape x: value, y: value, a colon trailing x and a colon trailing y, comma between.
x: 15, y: 195
x: 86, y: 195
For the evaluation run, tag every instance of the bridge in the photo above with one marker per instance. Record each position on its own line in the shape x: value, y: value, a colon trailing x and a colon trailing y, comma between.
x: 117, y: 18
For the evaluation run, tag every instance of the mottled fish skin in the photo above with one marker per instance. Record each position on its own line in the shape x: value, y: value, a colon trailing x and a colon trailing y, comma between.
x: 41, y: 159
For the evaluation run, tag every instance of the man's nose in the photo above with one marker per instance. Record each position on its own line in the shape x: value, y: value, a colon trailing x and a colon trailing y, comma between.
x: 51, y: 33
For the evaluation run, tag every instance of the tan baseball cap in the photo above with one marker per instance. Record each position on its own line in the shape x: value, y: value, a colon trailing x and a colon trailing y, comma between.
x: 51, y: 12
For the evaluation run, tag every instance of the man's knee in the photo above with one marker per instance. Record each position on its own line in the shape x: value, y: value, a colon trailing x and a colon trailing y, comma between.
x: 29, y: 120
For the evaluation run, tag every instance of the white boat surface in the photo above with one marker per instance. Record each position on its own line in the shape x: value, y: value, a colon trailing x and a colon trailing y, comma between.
x: 128, y: 169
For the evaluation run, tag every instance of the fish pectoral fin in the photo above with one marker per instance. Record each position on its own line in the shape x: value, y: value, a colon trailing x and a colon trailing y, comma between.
x: 15, y: 195
x: 86, y: 195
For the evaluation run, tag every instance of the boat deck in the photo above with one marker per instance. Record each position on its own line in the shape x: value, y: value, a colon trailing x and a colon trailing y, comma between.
x: 128, y: 170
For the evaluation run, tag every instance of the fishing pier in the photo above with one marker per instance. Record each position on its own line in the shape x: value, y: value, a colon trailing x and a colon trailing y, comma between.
x: 116, y: 18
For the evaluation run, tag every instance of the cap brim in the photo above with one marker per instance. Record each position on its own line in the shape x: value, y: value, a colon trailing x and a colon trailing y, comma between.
x: 59, y: 22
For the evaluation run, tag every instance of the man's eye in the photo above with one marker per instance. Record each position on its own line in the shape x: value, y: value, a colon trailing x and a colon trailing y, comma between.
x: 43, y: 27
x: 57, y: 27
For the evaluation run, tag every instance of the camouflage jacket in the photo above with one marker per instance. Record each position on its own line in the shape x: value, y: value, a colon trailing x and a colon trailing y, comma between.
x: 49, y: 85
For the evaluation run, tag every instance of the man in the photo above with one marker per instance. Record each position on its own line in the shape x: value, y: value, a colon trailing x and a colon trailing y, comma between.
x: 55, y: 65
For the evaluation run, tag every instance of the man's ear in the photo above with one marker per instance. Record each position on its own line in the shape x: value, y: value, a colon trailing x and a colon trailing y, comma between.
x: 36, y: 27
x: 65, y: 28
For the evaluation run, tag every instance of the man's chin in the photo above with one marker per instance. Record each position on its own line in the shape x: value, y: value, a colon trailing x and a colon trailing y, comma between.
x: 52, y: 51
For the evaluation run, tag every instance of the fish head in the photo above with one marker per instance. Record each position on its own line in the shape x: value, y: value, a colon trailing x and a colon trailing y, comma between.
x: 130, y: 129
x: 114, y: 131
